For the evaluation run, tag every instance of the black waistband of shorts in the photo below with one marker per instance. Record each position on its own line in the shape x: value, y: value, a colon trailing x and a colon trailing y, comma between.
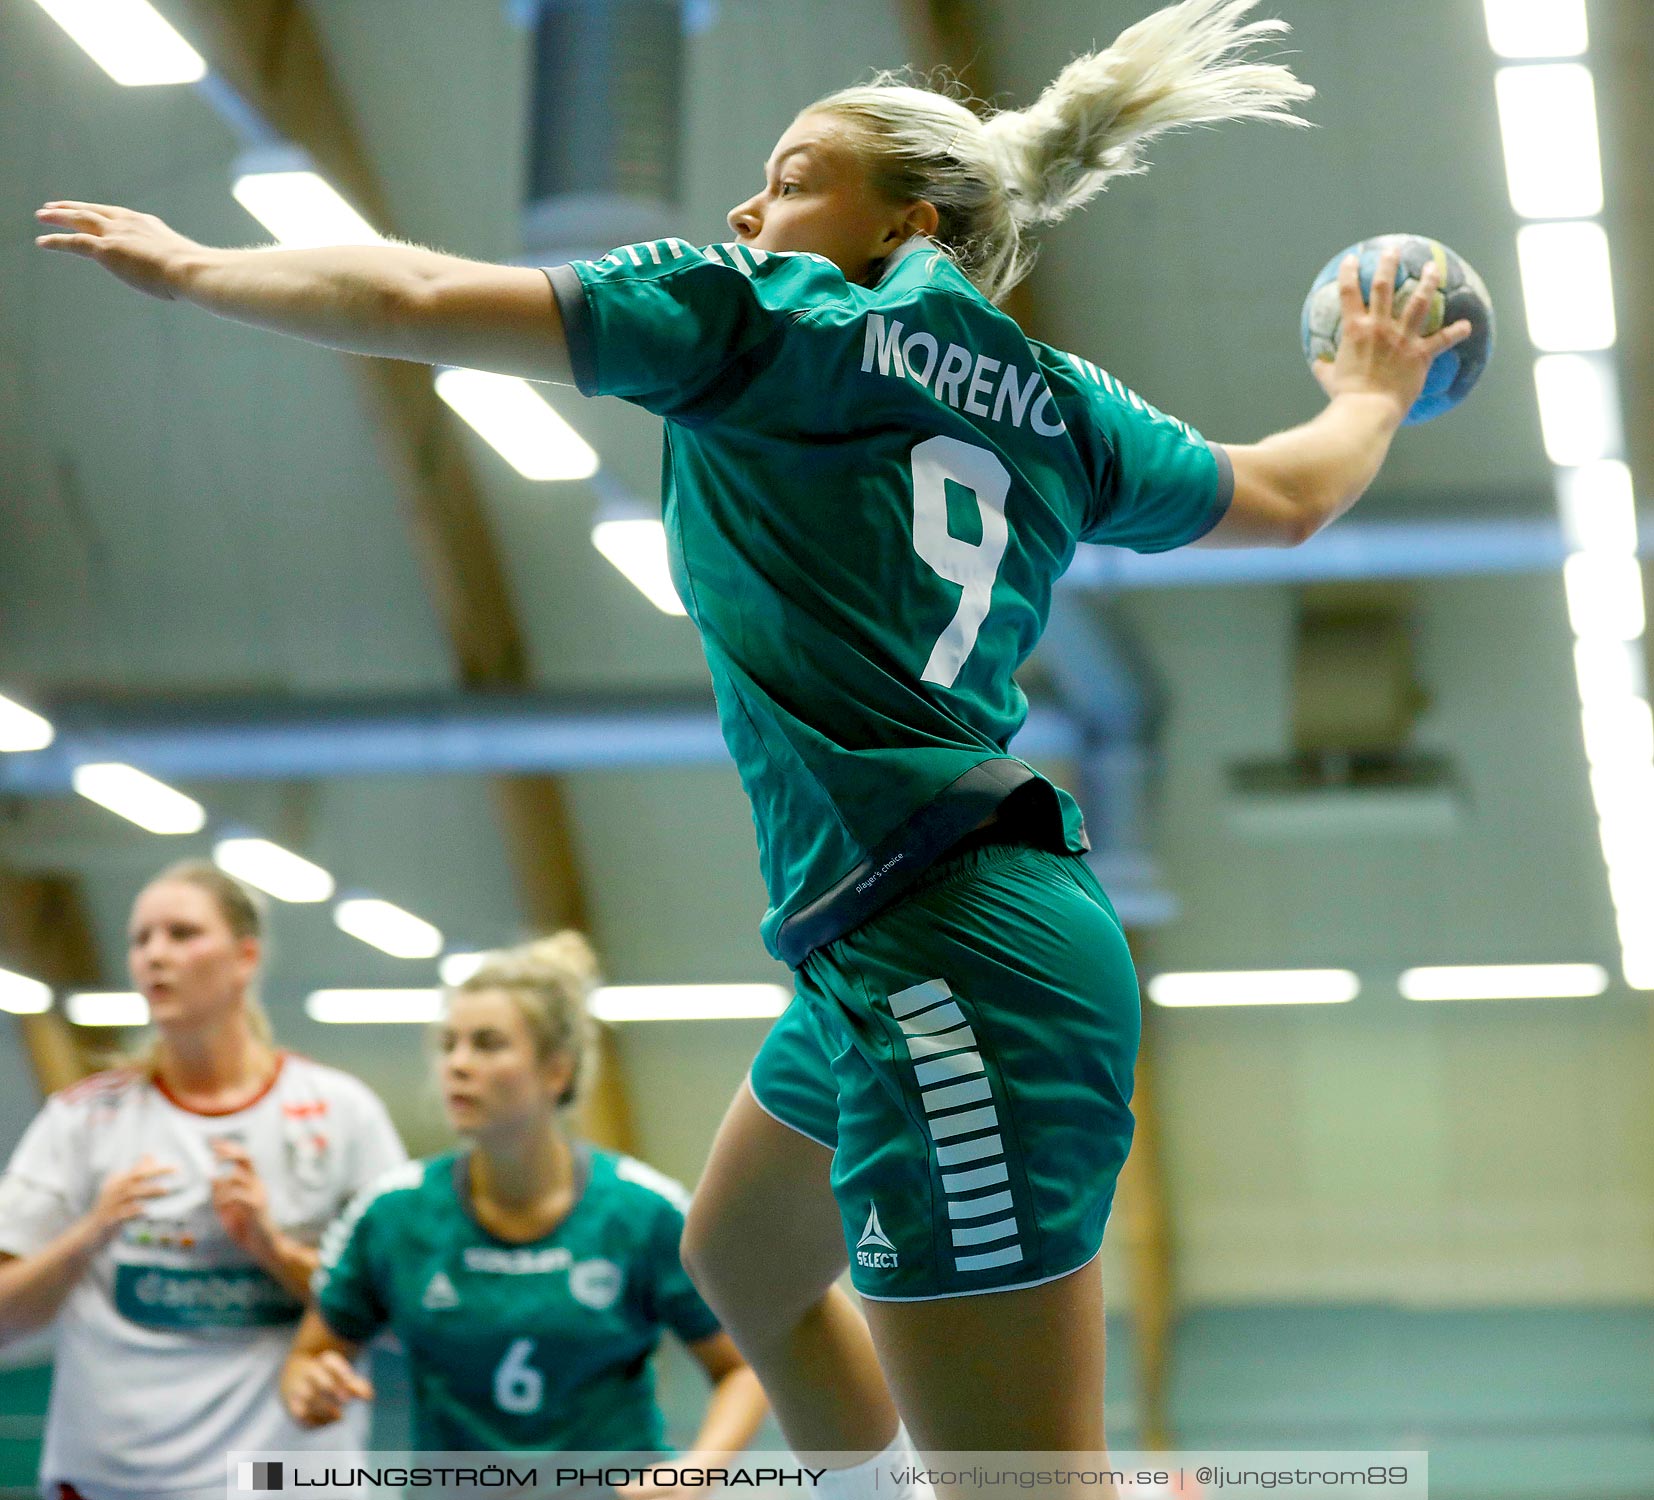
x: 944, y: 829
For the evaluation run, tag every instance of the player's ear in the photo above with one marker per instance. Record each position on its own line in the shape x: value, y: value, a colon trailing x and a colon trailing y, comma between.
x: 920, y: 219
x: 557, y: 1073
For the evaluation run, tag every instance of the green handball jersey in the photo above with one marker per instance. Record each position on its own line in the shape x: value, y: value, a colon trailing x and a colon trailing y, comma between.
x: 868, y: 495
x: 543, y: 1345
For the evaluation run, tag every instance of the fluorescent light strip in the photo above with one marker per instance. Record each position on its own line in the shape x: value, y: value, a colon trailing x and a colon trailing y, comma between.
x: 1553, y: 162
x: 285, y: 875
x: 129, y: 40
x: 22, y: 728
x: 1627, y: 844
x: 1609, y: 670
x: 638, y: 548
x: 517, y: 423
x: 1505, y: 982
x: 1605, y: 596
x: 1579, y: 408
x: 689, y: 1002
x: 1256, y: 987
x: 1536, y: 28
x: 1618, y: 731
x: 373, y: 1007
x: 302, y: 210
x: 612, y: 1003
x: 108, y: 1008
x: 23, y: 996
x: 456, y: 968
x: 1567, y: 286
x: 387, y: 927
x: 1599, y: 509
x: 138, y: 798
x: 1632, y: 890
x: 1623, y: 792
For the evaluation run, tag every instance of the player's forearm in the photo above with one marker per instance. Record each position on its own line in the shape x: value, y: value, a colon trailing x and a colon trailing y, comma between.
x: 358, y: 298
x: 733, y: 1413
x: 290, y: 1263
x: 1323, y: 467
x: 34, y: 1287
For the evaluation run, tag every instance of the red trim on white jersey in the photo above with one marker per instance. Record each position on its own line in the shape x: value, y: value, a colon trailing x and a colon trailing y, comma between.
x: 235, y: 1109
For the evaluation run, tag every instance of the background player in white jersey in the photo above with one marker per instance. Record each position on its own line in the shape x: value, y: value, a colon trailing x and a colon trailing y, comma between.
x: 529, y: 1276
x: 947, y: 1102
x: 167, y: 1215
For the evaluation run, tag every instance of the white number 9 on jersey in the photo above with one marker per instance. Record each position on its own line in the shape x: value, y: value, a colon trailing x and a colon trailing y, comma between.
x: 972, y: 565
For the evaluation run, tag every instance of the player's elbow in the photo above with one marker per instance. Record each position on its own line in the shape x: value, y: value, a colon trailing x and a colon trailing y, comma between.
x: 1299, y: 506
x: 1301, y: 521
x: 1272, y: 506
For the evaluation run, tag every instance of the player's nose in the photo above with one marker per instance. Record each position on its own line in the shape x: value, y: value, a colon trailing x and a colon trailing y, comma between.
x: 743, y: 220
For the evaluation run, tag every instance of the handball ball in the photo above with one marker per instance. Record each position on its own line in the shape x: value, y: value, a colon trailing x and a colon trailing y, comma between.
x: 1461, y: 294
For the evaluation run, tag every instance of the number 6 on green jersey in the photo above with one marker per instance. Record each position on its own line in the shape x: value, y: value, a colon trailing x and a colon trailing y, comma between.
x: 518, y: 1387
x: 972, y: 565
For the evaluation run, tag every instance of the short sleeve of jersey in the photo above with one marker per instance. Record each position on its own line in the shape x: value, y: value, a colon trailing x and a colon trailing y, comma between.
x: 674, y: 1300
x: 375, y: 1145
x: 46, y: 1186
x: 348, y: 1279
x: 682, y: 331
x: 1161, y: 485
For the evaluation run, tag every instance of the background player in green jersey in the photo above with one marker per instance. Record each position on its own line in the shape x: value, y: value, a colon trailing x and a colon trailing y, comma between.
x: 529, y: 1277
x: 873, y: 480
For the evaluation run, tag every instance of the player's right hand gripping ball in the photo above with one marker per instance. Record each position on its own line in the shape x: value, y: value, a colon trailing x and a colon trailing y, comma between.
x: 1462, y: 294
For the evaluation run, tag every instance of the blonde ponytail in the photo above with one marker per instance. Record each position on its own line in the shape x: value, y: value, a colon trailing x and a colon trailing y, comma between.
x: 993, y: 179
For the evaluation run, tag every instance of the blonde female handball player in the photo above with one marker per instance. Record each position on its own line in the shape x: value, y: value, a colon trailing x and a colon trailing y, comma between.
x: 873, y: 480
x: 529, y: 1276
x: 166, y: 1215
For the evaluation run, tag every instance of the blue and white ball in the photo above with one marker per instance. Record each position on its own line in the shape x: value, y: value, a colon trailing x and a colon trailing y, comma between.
x: 1461, y: 294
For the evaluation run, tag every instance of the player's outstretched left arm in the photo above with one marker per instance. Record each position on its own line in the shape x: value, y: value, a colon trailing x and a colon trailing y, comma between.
x: 1292, y: 484
x: 398, y: 301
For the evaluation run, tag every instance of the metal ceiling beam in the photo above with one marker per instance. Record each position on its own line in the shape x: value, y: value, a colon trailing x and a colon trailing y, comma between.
x: 1347, y: 551
x: 273, y: 80
x: 297, y: 739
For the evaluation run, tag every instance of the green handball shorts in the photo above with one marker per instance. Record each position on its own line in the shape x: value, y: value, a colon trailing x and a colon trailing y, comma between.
x: 967, y: 1056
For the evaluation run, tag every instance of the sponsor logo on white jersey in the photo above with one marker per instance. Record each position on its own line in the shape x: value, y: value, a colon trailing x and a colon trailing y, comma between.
x: 439, y: 1293
x: 874, y: 1248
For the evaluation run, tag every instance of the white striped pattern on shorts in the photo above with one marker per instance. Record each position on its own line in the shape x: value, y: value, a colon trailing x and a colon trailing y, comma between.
x: 958, y: 1102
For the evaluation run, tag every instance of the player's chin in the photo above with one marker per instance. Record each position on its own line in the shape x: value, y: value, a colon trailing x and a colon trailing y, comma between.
x: 463, y: 1114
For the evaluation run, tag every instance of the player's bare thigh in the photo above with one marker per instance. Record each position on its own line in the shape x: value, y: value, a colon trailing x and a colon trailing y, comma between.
x: 765, y: 1245
x: 1018, y: 1370
x: 763, y: 1239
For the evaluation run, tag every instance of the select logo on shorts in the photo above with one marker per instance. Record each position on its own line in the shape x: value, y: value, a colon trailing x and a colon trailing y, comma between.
x: 882, y: 1255
x: 258, y: 1477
